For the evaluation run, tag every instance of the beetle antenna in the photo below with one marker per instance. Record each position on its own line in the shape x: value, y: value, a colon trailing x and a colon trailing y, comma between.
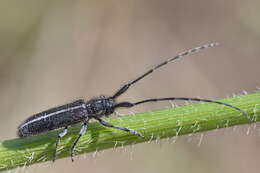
x: 125, y: 87
x: 128, y: 104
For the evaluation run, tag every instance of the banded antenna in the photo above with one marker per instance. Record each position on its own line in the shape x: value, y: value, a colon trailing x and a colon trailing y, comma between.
x: 125, y: 87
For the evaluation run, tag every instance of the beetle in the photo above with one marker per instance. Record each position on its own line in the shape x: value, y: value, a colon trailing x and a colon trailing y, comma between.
x: 96, y: 108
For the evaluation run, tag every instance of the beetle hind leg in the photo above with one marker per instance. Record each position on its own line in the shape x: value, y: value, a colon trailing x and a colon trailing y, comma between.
x: 63, y: 133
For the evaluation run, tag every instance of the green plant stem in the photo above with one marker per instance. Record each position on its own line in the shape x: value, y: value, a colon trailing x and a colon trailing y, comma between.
x: 153, y: 125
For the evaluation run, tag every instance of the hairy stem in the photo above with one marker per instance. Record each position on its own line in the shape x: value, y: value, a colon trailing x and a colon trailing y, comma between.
x: 153, y: 125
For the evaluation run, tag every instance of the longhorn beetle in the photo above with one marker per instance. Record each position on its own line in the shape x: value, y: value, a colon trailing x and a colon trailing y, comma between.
x: 82, y: 111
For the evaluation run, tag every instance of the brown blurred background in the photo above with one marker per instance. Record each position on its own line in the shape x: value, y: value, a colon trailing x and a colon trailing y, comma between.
x: 52, y: 52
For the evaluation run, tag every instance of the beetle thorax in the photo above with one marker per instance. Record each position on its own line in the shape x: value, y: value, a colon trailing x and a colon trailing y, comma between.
x: 100, y: 106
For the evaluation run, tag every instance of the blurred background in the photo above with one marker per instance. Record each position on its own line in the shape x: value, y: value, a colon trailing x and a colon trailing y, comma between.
x: 55, y: 51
